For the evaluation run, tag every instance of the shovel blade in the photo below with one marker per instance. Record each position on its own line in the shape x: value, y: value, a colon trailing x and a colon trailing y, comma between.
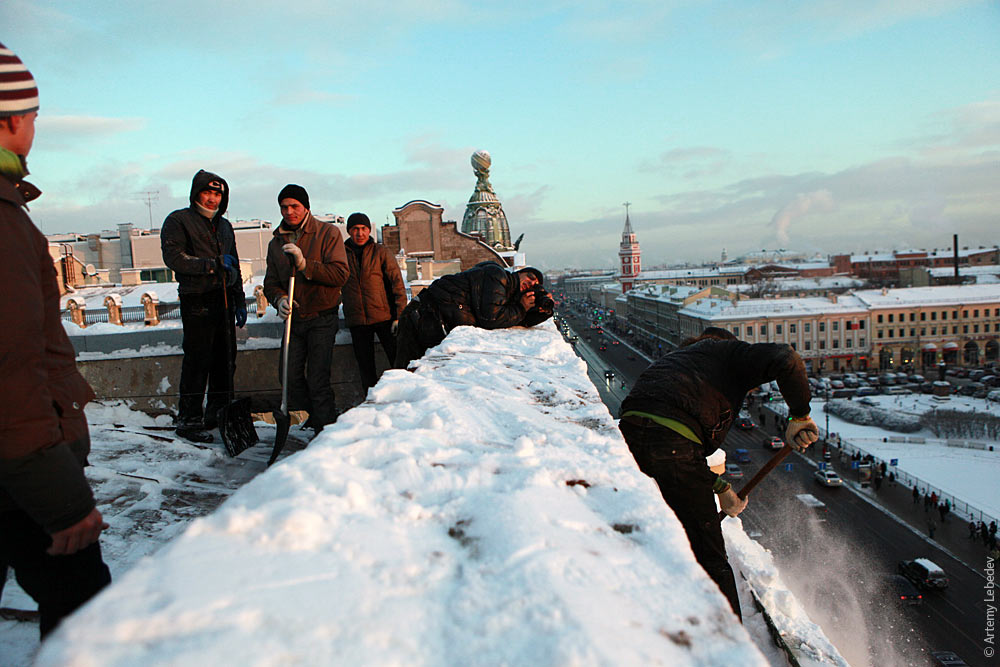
x: 282, y: 422
x: 236, y: 426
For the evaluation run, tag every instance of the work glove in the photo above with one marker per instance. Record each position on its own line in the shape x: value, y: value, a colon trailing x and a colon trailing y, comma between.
x: 295, y: 254
x: 801, y: 433
x: 232, y: 268
x: 731, y: 503
x: 241, y: 315
x: 395, y: 327
x: 283, y: 308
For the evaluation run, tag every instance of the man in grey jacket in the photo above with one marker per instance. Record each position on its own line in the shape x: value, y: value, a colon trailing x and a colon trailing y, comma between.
x: 199, y: 245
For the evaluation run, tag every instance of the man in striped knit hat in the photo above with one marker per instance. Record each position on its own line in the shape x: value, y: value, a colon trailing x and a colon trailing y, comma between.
x: 49, y: 522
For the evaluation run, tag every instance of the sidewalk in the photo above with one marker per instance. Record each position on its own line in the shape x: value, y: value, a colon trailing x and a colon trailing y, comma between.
x: 951, y: 535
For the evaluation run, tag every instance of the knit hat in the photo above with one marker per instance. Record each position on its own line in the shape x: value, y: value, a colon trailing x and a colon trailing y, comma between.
x: 355, y: 219
x: 296, y: 192
x: 18, y: 92
x: 533, y: 271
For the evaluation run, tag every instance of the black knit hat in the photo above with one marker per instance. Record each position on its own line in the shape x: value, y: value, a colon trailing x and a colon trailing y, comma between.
x: 358, y: 219
x: 296, y: 192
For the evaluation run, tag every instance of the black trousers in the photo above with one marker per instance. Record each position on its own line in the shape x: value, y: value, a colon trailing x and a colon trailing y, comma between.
x: 205, y: 322
x: 59, y: 584
x: 310, y: 358
x: 679, y: 468
x: 419, y: 328
x: 363, y: 341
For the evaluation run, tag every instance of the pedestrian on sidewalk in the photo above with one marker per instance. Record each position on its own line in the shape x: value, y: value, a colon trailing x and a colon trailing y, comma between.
x: 984, y: 533
x: 942, y: 510
x: 931, y: 526
x: 916, y: 494
x: 927, y: 503
x: 972, y: 530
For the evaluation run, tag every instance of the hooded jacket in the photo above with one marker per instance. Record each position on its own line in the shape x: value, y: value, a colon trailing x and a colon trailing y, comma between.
x: 192, y: 244
x: 43, y: 430
x: 374, y: 291
x: 317, y: 287
x: 703, y: 386
x: 487, y: 296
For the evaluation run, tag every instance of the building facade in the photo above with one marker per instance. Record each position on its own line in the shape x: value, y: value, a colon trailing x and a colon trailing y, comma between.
x: 629, y: 256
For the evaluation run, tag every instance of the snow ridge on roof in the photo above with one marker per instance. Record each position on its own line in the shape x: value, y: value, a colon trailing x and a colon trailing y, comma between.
x: 483, y: 509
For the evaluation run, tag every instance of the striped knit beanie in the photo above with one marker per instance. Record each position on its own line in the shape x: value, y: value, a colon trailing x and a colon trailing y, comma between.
x: 18, y: 93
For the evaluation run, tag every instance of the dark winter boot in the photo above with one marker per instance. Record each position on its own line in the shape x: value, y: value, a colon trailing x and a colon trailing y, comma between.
x: 193, y: 431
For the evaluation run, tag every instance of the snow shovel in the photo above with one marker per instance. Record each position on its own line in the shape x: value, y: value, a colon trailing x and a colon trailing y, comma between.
x: 282, y: 419
x: 755, y: 480
x: 235, y: 422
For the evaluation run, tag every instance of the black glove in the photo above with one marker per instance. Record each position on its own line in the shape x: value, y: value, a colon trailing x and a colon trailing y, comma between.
x: 541, y: 311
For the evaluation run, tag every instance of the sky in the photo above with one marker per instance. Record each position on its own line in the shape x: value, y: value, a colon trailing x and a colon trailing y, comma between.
x: 821, y: 127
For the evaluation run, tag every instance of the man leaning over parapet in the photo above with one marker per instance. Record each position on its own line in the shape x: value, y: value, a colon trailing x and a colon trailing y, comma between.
x: 487, y: 296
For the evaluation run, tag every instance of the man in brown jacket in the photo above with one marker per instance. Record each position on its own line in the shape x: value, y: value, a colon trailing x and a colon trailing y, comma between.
x: 374, y: 296
x: 315, y: 252
x: 49, y: 523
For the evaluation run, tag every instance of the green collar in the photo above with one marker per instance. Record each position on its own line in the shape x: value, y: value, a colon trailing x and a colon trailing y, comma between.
x: 12, y: 165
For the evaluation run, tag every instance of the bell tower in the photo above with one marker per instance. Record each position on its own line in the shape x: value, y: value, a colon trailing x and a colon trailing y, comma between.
x: 629, y: 254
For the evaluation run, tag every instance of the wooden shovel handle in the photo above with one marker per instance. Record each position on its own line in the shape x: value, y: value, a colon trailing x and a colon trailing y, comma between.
x: 766, y: 468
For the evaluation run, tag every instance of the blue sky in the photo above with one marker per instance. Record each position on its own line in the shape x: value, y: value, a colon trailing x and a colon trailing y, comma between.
x: 824, y: 126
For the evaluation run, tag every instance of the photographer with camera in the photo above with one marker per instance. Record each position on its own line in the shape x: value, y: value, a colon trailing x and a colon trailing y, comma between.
x: 488, y: 296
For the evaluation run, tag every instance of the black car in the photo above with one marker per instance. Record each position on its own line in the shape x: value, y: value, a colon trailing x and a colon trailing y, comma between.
x: 902, y: 588
x: 923, y: 573
x: 745, y: 424
x: 948, y: 658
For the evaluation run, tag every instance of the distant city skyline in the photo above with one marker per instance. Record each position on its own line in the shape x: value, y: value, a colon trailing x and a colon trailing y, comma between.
x: 823, y: 127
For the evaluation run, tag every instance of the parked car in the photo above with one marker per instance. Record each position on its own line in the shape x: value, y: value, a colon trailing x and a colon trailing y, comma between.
x: 902, y: 588
x: 898, y: 390
x: 971, y: 388
x: 742, y: 456
x: 837, y: 384
x: 866, y: 391
x: 828, y: 478
x: 993, y: 396
x: 977, y: 374
x: 774, y: 442
x: 733, y: 471
x: 916, y: 378
x: 745, y: 423
x: 925, y: 574
x: 990, y: 380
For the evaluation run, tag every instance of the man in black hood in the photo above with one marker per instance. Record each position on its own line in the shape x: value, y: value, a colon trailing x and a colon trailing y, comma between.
x: 487, y: 296
x: 199, y: 245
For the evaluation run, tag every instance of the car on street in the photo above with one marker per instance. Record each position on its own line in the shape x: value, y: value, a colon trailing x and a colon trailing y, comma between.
x: 866, y: 391
x: 948, y: 659
x: 609, y: 374
x: 828, y: 478
x: 902, y: 588
x: 745, y: 424
x: 742, y: 456
x: 924, y: 573
x: 733, y: 471
x: 774, y: 442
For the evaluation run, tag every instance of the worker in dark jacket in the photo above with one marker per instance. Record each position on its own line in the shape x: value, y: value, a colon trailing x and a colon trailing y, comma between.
x: 374, y: 296
x: 315, y: 251
x: 487, y: 296
x: 49, y: 523
x: 679, y: 412
x: 199, y: 246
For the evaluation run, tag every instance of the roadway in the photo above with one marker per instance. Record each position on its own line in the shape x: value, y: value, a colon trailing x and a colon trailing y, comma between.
x: 835, y: 563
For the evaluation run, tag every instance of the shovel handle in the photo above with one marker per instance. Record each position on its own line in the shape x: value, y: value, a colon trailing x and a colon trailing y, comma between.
x: 761, y: 474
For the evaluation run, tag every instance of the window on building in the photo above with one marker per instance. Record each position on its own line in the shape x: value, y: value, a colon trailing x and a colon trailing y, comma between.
x: 791, y: 328
x: 975, y: 328
x: 822, y: 327
x: 913, y: 332
x: 836, y: 343
x: 807, y: 327
x: 923, y: 331
x: 923, y: 317
x: 954, y: 314
x: 736, y: 331
x: 902, y: 333
x: 933, y: 316
x: 892, y: 333
x: 861, y: 324
x: 890, y: 317
x: 913, y: 316
x: 965, y: 328
x: 934, y: 331
x: 861, y: 342
x: 879, y: 333
x: 954, y: 329
x: 763, y: 330
x: 836, y: 326
x: 777, y: 329
x: 848, y: 343
x: 822, y: 344
x: 975, y: 313
x: 808, y: 345
x: 880, y: 318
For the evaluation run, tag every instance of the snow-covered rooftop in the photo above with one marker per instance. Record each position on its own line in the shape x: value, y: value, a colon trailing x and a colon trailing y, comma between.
x: 946, y: 295
x: 483, y: 509
x: 697, y: 272
x: 756, y: 308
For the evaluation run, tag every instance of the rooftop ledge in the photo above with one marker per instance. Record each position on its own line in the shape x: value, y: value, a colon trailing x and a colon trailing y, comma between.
x: 483, y: 509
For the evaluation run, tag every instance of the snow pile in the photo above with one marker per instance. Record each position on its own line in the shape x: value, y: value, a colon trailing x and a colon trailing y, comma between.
x: 873, y: 415
x: 756, y: 565
x: 482, y: 510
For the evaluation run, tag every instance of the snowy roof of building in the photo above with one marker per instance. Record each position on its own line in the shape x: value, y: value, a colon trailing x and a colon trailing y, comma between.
x: 713, y: 308
x: 945, y: 295
x: 696, y: 272
x: 892, y: 255
x: 797, y: 284
x: 597, y: 277
x: 983, y: 269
